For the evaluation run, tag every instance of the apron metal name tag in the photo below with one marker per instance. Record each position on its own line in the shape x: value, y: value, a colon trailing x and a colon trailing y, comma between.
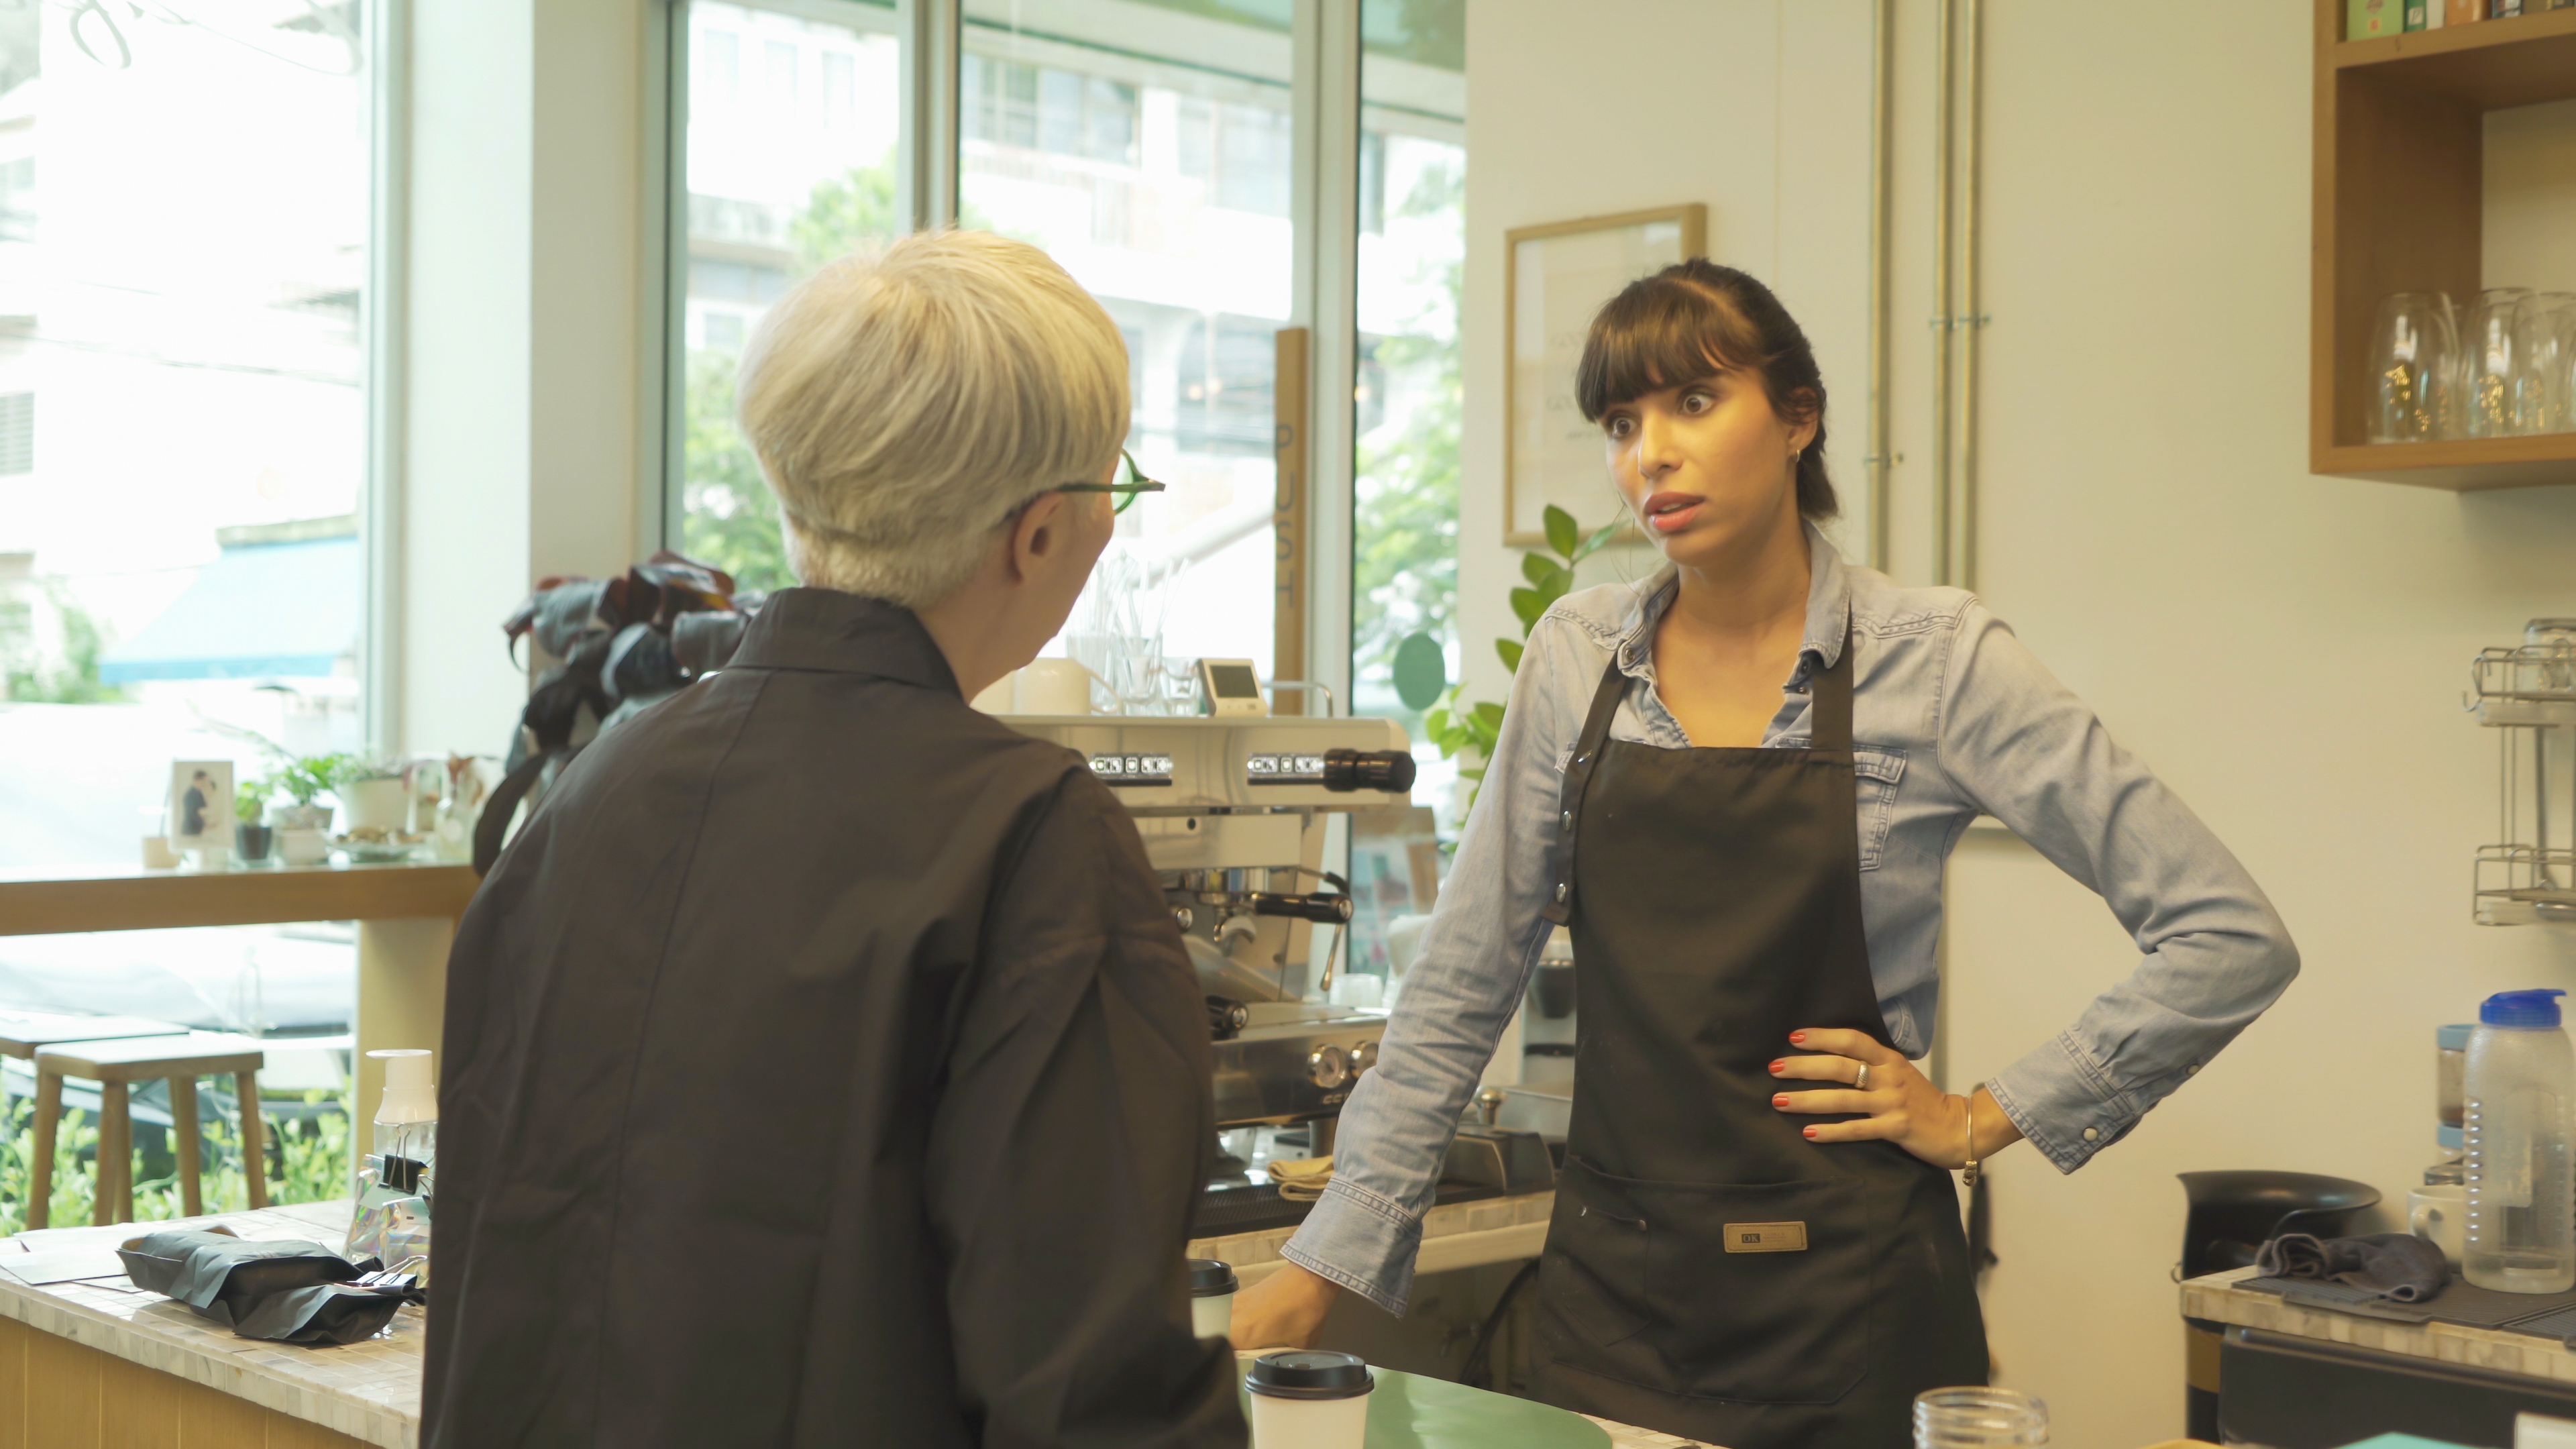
x: 1766, y: 1237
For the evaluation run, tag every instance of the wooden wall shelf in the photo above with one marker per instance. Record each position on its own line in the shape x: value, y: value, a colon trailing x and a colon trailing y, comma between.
x: 2400, y: 207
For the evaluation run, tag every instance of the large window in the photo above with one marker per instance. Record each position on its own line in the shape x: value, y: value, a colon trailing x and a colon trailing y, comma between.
x: 1412, y: 173
x: 788, y: 161
x: 1149, y: 153
x: 184, y: 209
x: 183, y: 421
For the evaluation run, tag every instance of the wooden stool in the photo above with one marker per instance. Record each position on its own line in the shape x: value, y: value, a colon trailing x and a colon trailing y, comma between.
x: 115, y: 1065
x: 23, y: 1033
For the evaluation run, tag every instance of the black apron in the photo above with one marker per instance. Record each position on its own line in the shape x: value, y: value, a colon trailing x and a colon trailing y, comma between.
x: 1709, y: 1272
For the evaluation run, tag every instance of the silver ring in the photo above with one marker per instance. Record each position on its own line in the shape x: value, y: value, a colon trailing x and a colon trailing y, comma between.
x: 1861, y: 1082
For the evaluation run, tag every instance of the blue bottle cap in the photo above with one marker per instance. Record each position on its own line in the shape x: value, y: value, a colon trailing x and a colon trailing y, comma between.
x: 2450, y: 1138
x: 2521, y: 1008
x: 2455, y: 1037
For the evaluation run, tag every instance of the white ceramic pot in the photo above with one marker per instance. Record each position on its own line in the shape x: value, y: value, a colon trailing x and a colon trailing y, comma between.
x: 379, y: 804
x: 301, y: 817
x: 303, y: 847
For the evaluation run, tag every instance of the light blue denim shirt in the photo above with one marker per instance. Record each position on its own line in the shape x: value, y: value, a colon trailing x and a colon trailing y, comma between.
x: 1951, y: 717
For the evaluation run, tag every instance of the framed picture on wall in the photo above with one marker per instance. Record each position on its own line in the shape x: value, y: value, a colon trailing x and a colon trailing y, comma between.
x: 1555, y: 277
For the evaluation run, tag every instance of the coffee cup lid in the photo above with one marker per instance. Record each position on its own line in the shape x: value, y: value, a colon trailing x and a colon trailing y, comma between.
x: 1309, y: 1374
x: 1209, y: 1277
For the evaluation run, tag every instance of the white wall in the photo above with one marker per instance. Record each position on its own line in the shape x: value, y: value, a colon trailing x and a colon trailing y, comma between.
x: 526, y: 362
x: 2288, y: 651
x: 1753, y: 107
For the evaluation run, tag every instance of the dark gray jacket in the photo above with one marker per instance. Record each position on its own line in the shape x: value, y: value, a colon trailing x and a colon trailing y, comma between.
x: 821, y: 1068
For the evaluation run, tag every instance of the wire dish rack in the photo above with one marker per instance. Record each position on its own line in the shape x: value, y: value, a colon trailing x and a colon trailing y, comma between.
x: 2527, y: 694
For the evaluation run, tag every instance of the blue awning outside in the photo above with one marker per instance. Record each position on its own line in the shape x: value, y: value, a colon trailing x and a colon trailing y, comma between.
x: 259, y: 611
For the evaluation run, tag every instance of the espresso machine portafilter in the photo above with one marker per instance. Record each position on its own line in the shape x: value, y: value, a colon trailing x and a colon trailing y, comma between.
x: 1234, y: 811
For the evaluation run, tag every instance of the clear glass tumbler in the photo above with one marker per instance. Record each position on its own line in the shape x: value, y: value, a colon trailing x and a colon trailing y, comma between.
x: 2414, y: 352
x: 1978, y: 1418
x: 2491, y: 366
x: 2540, y: 322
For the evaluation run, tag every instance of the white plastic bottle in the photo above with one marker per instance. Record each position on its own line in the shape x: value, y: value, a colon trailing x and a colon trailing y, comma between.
x: 2521, y: 1234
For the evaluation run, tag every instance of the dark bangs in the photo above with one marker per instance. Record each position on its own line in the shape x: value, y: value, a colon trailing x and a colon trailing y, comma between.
x: 1694, y: 319
x: 1660, y: 331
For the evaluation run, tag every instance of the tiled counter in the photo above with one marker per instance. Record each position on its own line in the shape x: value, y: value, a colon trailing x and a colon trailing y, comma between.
x: 1457, y: 1235
x: 94, y: 1327
x: 2217, y: 1298
x: 362, y: 1393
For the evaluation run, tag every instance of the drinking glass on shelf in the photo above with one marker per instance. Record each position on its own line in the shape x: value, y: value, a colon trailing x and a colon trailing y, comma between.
x: 2545, y: 328
x: 2413, y: 354
x: 2491, y: 363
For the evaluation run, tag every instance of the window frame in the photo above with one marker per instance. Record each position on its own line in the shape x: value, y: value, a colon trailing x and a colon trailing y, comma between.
x: 1324, y: 196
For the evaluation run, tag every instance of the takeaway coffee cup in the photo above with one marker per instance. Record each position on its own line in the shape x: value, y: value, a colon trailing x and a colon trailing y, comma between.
x: 1309, y: 1399
x: 1211, y: 1297
x: 2439, y: 1214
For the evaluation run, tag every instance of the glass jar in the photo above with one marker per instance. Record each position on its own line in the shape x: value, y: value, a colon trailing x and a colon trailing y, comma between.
x: 2450, y: 1163
x: 1978, y: 1418
x: 2450, y: 1072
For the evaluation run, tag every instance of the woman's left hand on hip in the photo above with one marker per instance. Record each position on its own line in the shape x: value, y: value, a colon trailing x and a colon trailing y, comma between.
x: 1897, y: 1102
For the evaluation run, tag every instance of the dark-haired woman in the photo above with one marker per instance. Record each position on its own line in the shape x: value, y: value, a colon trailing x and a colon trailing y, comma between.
x: 1738, y: 786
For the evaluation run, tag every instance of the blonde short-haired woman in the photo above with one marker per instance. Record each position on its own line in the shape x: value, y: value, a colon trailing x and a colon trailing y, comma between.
x: 820, y: 1063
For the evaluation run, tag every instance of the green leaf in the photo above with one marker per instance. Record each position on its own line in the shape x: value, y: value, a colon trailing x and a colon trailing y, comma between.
x: 1600, y: 536
x: 1562, y: 533
x: 1490, y: 715
x: 1421, y: 671
x: 1511, y: 653
x: 1554, y: 586
x: 1536, y: 566
x: 1529, y: 604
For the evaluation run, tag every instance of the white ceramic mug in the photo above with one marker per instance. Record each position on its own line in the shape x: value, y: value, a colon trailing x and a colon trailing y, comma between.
x: 1052, y: 686
x: 2439, y: 1214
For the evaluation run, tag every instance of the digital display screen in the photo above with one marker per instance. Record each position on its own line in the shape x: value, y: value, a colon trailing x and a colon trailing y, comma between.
x: 1284, y: 769
x: 1233, y: 681
x: 1118, y: 769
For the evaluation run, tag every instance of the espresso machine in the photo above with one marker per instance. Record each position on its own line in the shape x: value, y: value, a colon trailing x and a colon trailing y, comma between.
x: 1233, y: 812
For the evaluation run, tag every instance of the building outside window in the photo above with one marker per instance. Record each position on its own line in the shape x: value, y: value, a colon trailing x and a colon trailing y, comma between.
x: 774, y: 188
x: 1151, y: 159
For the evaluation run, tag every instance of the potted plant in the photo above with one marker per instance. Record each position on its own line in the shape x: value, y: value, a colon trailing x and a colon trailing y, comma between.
x: 1475, y: 728
x: 372, y: 797
x: 306, y: 780
x: 251, y: 833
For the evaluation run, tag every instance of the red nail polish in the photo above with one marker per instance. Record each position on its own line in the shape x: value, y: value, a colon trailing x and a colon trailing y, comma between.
x: 1782, y: 1100
x: 1776, y: 1066
x: 1797, y: 1037
x: 1808, y: 1132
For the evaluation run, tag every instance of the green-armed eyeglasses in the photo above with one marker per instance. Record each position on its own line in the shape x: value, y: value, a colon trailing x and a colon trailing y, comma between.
x: 1129, y: 484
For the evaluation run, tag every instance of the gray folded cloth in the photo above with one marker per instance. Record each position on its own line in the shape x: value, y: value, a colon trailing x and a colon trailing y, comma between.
x: 2399, y: 1267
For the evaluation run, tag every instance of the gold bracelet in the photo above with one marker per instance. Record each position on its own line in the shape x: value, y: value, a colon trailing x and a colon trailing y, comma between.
x: 1968, y: 1174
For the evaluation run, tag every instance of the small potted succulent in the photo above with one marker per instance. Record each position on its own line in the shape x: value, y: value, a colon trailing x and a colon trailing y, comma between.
x: 306, y: 780
x: 252, y: 834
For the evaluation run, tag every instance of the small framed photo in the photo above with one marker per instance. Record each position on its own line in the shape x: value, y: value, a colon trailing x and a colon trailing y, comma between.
x: 201, y: 805
x: 1555, y: 278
